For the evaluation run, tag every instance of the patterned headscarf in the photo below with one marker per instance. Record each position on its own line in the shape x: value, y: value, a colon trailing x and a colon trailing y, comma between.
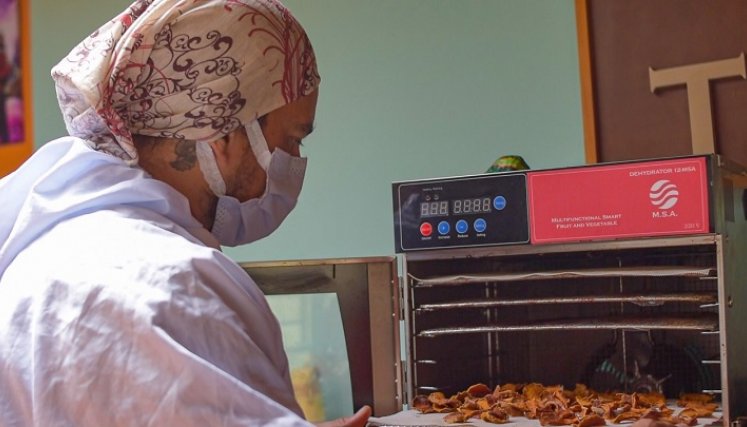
x: 187, y: 69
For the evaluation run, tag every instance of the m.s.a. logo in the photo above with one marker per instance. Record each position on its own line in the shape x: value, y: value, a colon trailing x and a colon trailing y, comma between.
x: 663, y: 194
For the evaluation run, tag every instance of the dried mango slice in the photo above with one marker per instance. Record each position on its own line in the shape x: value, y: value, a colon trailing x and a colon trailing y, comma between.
x: 651, y: 399
x: 557, y: 418
x: 702, y: 409
x: 483, y: 404
x: 422, y: 404
x: 687, y: 417
x: 533, y: 409
x: 443, y: 409
x: 607, y: 397
x: 627, y: 416
x: 533, y: 391
x: 694, y: 397
x: 437, y: 398
x: 653, y: 414
x: 454, y: 402
x: 508, y: 387
x: 553, y: 405
x: 469, y: 413
x: 455, y: 417
x: 592, y: 420
x: 587, y: 400
x: 513, y: 409
x: 505, y: 394
x: 495, y: 415
x: 581, y: 390
x: 471, y: 404
x: 478, y: 390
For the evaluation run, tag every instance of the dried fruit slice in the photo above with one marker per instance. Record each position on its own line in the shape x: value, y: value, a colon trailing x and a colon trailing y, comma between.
x: 437, y: 398
x: 592, y: 420
x: 694, y: 397
x: 702, y: 409
x: 478, y: 390
x: 422, y: 404
x: 533, y: 391
x: 652, y: 399
x: 627, y: 416
x: 687, y: 417
x: 495, y: 415
x: 455, y: 417
x: 557, y: 418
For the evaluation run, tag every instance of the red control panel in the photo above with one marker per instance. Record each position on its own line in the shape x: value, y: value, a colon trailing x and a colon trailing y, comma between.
x: 663, y: 197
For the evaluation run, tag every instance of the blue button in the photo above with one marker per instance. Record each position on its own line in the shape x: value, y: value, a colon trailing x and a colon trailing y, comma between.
x: 462, y: 226
x: 480, y: 225
x: 499, y: 203
x: 443, y: 228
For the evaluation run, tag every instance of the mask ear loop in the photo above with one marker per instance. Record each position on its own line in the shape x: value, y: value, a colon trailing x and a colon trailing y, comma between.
x: 259, y: 144
x: 209, y: 168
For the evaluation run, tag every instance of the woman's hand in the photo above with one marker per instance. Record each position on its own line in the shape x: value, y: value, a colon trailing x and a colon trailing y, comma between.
x: 359, y: 419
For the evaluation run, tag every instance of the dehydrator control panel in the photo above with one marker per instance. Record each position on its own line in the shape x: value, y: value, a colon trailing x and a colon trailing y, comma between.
x: 480, y: 210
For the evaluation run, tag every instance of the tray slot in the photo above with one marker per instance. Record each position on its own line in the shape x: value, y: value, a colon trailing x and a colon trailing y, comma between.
x: 647, y: 271
x: 643, y: 300
x: 704, y: 322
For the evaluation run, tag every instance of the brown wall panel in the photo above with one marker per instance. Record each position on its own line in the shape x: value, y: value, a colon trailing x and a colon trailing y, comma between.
x: 625, y: 39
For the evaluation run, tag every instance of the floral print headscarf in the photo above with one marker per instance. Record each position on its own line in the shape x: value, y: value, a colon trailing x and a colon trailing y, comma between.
x: 187, y: 69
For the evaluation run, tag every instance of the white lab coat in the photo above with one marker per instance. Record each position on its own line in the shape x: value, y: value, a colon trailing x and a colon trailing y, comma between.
x: 116, y: 308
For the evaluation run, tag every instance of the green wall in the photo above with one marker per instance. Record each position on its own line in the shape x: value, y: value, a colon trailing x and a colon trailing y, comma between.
x: 410, y: 89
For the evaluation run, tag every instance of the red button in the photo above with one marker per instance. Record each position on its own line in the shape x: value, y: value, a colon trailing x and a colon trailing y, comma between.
x: 426, y: 229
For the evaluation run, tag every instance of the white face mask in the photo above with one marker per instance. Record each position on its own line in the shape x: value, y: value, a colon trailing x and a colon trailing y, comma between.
x: 239, y: 223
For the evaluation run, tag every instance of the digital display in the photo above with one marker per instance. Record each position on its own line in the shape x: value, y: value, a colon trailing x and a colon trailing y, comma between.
x: 471, y: 206
x: 458, y: 207
x: 435, y: 208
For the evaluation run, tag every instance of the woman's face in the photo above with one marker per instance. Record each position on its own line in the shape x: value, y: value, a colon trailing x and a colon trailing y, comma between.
x: 283, y: 128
